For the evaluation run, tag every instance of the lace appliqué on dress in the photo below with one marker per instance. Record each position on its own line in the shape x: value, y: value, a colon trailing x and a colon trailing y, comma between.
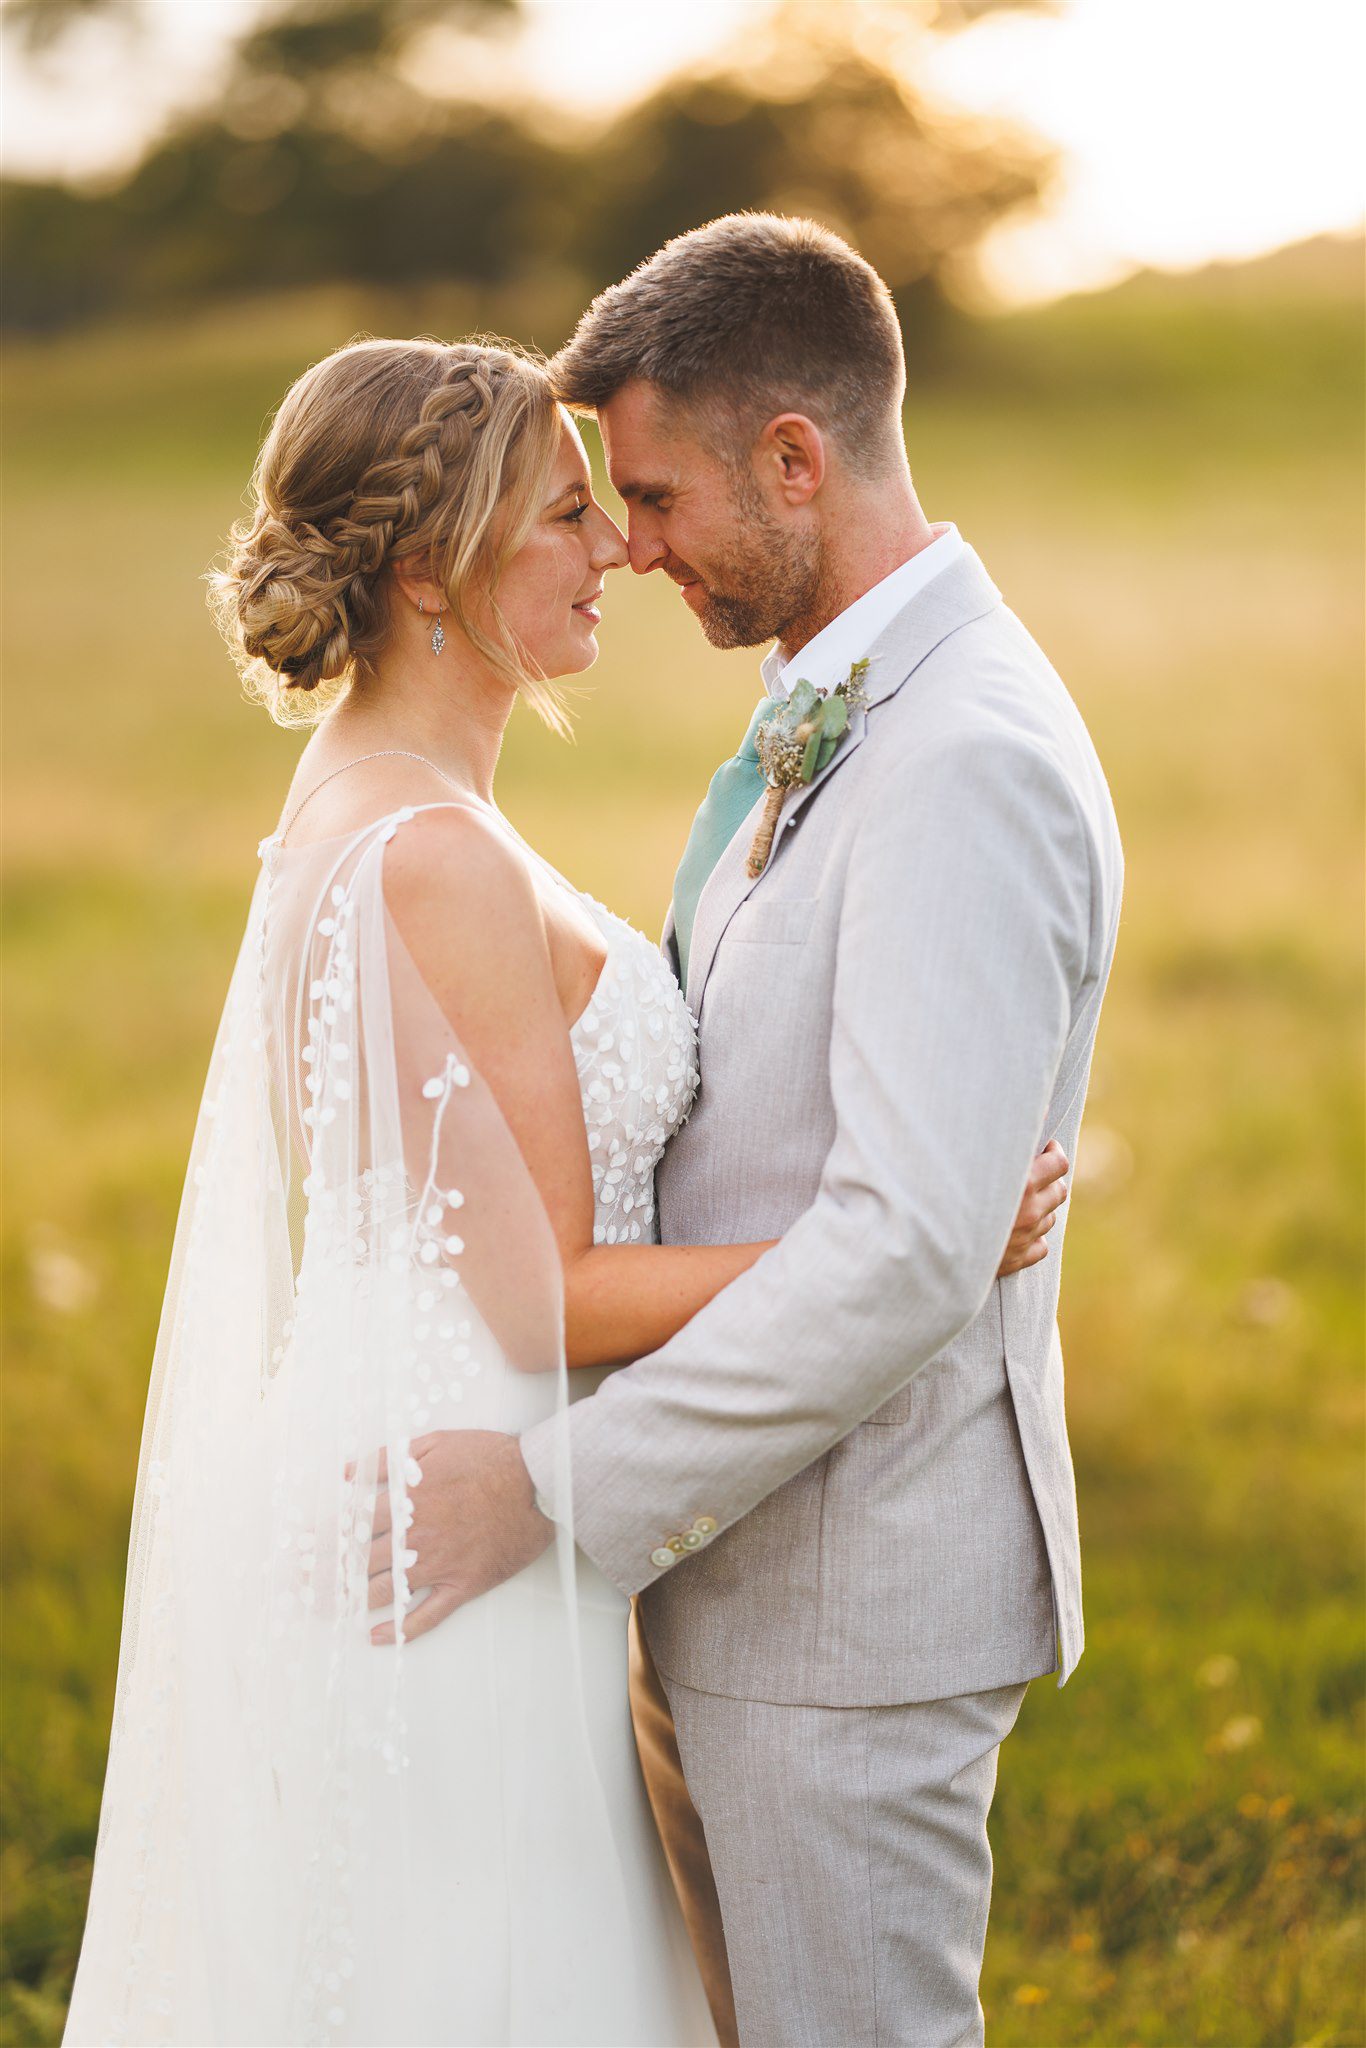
x: 635, y: 1048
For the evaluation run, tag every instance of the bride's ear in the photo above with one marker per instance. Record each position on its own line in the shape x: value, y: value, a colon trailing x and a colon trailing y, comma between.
x: 417, y: 590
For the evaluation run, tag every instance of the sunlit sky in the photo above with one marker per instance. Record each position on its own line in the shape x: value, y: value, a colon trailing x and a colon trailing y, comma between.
x: 1190, y: 129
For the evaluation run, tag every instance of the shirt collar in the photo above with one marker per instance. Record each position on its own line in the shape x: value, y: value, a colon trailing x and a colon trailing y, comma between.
x: 827, y: 658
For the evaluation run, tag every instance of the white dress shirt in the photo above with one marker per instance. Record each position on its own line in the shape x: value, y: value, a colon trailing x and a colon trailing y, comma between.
x: 828, y: 658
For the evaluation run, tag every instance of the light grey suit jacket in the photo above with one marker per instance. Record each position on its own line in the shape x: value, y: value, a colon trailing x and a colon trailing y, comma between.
x: 847, y: 1481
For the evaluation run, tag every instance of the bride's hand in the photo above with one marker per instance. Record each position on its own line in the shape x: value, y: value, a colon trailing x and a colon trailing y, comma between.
x: 1043, y: 1197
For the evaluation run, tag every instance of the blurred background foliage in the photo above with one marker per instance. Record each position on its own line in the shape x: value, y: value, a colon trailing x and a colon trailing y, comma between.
x: 325, y: 156
x: 1165, y: 479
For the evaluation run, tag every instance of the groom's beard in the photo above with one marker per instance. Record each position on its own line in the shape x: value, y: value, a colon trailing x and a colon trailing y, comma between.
x: 765, y: 580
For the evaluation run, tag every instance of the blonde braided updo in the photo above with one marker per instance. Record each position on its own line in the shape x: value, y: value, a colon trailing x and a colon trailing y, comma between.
x: 383, y: 451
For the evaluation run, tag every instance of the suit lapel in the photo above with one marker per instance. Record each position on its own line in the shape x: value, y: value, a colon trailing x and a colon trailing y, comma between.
x: 955, y: 598
x: 724, y: 891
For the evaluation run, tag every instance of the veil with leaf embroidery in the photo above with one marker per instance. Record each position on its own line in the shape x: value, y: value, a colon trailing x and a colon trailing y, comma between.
x: 361, y: 1257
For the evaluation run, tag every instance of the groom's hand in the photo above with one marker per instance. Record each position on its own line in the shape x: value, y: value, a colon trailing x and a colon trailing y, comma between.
x: 475, y: 1523
x: 1043, y: 1197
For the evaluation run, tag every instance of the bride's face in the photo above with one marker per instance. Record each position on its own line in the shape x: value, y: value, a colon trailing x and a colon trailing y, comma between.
x: 549, y: 592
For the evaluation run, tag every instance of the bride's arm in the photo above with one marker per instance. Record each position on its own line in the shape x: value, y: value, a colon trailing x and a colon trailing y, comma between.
x: 468, y: 913
x: 622, y: 1301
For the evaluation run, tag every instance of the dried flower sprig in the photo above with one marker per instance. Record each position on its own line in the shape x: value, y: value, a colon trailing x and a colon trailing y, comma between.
x: 796, y: 743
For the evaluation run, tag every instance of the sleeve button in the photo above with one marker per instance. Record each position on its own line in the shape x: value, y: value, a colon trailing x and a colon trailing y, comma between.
x: 692, y: 1539
x: 661, y: 1557
x: 677, y: 1545
x: 705, y: 1525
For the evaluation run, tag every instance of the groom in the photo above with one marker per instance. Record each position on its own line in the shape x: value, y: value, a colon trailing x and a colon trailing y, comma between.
x: 843, y: 1491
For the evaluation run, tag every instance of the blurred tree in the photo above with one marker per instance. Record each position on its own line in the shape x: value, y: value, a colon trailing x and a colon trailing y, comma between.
x: 320, y: 159
x: 809, y: 118
x: 309, y: 33
x: 313, y: 37
x: 326, y: 155
x: 42, y: 24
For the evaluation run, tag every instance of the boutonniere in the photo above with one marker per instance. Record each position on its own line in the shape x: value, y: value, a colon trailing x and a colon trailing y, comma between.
x: 795, y: 744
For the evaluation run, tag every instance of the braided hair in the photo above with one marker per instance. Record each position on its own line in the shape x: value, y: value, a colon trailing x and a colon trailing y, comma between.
x: 383, y: 451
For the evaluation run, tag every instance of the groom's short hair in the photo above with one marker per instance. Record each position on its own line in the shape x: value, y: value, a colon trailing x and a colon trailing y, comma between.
x: 752, y: 315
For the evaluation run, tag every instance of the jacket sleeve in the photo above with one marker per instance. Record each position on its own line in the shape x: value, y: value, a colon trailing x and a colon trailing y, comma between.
x: 962, y: 946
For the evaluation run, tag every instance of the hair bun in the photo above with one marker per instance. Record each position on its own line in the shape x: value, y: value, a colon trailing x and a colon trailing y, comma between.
x: 282, y: 600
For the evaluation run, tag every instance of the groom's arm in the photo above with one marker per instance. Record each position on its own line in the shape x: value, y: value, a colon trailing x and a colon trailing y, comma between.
x: 964, y: 939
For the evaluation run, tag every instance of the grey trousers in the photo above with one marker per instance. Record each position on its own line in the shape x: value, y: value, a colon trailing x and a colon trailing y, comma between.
x: 850, y: 1856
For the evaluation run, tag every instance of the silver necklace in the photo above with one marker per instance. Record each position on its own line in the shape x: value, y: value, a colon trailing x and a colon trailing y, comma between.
x: 383, y: 754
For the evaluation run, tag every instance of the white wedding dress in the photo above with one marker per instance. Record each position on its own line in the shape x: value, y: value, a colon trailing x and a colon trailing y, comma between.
x: 305, y: 1838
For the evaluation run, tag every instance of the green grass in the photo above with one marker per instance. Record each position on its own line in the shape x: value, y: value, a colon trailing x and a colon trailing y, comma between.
x: 1165, y: 482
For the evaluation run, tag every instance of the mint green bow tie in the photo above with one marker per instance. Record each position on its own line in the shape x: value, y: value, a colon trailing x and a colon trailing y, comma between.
x: 735, y: 789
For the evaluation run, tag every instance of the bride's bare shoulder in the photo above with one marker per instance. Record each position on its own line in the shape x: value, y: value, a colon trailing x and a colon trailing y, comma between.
x: 462, y: 895
x: 456, y: 849
x: 457, y: 885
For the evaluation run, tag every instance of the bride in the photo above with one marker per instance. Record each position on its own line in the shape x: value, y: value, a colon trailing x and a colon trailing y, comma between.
x: 420, y: 1198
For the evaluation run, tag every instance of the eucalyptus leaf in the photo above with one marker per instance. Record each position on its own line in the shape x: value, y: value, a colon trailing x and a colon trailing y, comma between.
x: 803, y: 701
x: 835, y: 717
x: 811, y: 756
x: 827, y: 753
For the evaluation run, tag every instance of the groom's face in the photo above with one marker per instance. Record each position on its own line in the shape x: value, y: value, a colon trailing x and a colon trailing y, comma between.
x: 743, y: 570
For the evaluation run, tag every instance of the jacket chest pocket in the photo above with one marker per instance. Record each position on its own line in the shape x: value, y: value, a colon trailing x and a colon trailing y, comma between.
x: 774, y: 921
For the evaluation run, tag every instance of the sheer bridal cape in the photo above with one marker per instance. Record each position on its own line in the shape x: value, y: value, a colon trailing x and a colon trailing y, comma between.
x: 305, y: 1838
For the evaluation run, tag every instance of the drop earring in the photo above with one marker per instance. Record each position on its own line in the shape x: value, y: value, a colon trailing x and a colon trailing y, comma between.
x: 438, y: 630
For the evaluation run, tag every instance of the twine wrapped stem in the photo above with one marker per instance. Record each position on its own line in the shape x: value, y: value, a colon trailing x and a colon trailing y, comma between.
x: 762, y: 846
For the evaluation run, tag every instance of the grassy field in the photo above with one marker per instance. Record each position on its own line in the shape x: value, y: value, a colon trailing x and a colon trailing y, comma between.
x: 1166, y: 483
